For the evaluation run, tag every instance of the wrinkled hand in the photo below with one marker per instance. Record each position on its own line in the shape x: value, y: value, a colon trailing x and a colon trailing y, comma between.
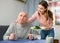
x: 12, y: 36
x: 30, y: 36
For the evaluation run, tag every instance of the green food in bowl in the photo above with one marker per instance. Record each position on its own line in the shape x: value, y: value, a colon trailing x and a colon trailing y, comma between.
x: 37, y: 27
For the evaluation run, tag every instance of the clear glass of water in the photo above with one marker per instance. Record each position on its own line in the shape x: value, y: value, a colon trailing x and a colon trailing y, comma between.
x: 49, y: 40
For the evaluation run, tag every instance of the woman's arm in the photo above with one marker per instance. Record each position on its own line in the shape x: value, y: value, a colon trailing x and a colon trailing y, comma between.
x: 33, y: 17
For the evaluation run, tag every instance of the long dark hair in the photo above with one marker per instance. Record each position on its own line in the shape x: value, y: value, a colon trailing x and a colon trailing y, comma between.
x: 48, y: 12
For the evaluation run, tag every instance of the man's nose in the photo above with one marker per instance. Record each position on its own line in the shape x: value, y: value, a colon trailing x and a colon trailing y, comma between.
x: 22, y: 17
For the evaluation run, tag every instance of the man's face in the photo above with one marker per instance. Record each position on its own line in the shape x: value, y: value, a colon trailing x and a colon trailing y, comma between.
x: 22, y: 18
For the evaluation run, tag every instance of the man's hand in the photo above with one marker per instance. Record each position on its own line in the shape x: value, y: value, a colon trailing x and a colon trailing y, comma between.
x: 12, y: 36
x: 30, y: 36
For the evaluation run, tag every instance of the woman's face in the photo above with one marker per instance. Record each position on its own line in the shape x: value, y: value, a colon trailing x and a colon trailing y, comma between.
x: 41, y: 9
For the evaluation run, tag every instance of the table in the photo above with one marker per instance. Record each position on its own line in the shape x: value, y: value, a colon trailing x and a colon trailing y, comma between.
x: 24, y: 41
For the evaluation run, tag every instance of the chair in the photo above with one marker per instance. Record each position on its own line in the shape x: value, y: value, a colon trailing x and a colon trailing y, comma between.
x: 3, y: 29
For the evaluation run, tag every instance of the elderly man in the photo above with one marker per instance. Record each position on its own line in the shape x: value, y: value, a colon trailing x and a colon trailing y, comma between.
x: 20, y: 29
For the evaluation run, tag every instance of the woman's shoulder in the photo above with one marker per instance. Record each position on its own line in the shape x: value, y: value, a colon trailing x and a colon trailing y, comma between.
x: 50, y: 12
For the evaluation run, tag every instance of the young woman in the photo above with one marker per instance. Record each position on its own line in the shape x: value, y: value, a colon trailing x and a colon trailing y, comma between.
x: 45, y: 18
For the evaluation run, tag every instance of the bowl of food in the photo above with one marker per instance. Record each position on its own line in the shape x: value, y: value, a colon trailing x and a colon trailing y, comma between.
x: 37, y: 27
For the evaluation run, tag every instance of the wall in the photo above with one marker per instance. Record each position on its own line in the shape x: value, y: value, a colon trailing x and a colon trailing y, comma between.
x: 31, y: 7
x: 9, y: 10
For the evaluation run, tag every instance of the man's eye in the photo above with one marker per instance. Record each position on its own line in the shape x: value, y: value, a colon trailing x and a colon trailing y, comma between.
x: 20, y: 15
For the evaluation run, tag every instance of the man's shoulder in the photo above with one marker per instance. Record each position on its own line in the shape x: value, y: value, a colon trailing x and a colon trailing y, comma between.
x: 13, y: 23
x: 29, y: 24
